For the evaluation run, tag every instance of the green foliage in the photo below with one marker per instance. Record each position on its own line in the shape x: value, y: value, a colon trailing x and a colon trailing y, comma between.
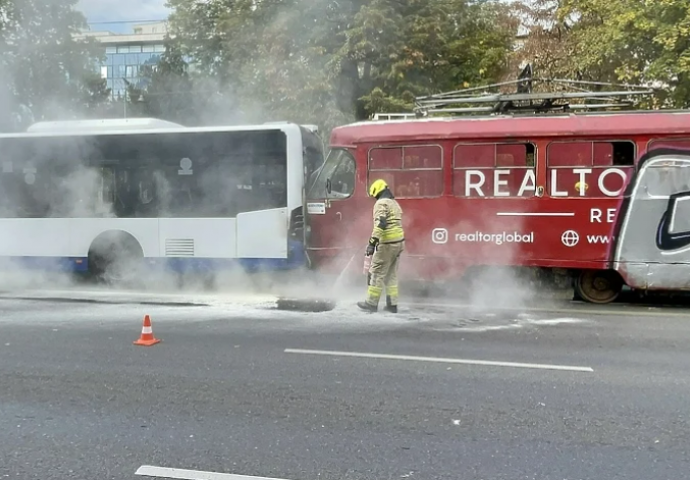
x: 617, y: 41
x: 43, y: 66
x: 335, y: 61
x: 329, y: 61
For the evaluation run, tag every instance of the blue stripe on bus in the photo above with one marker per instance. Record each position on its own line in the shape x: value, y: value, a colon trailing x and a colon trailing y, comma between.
x: 296, y: 259
x: 59, y: 264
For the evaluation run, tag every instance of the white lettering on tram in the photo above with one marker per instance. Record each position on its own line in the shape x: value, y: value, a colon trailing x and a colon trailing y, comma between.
x: 602, y: 178
x: 476, y: 186
x: 554, y: 185
x: 529, y: 182
x: 595, y: 215
x: 582, y: 181
x: 559, y: 180
x: 498, y: 183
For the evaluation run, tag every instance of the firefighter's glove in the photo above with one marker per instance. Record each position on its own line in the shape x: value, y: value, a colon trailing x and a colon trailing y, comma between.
x: 371, y: 248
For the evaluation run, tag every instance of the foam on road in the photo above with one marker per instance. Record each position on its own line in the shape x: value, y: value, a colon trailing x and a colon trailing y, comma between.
x: 100, y: 307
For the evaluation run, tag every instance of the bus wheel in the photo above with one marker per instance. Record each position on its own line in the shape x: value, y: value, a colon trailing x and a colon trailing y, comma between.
x: 114, y: 258
x: 598, y: 286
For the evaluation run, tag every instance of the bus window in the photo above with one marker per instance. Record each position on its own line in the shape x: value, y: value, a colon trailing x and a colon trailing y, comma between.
x: 414, y: 171
x: 494, y: 170
x: 30, y: 186
x: 312, y: 153
x: 214, y: 174
x: 195, y: 174
x: 590, y: 169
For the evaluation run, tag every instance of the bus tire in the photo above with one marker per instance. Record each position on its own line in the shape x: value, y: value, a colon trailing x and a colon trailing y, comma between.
x: 114, y: 257
x: 598, y: 286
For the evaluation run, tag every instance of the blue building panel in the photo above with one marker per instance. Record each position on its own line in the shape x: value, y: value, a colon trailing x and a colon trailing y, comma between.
x: 125, y: 64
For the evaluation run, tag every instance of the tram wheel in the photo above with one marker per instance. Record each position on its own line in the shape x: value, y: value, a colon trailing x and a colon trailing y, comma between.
x: 598, y: 286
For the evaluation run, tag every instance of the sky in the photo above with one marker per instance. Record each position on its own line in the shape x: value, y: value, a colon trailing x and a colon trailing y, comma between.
x: 121, y: 11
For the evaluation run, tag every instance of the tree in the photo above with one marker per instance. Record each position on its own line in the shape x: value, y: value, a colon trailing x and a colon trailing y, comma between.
x: 614, y: 41
x: 43, y: 66
x: 172, y: 92
x: 396, y: 51
x: 545, y: 41
x: 169, y: 91
x: 335, y: 61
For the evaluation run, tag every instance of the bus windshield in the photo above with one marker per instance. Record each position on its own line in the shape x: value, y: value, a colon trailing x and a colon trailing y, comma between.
x: 312, y: 152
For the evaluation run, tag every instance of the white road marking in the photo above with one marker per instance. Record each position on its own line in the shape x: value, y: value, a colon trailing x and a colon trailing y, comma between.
x: 383, y: 356
x: 163, y: 472
x: 535, y: 214
x: 614, y: 310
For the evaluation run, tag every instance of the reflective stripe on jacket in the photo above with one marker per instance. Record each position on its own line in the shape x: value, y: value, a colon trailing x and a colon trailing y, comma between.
x: 388, y: 221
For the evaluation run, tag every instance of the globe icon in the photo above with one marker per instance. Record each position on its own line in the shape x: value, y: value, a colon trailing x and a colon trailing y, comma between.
x: 570, y: 238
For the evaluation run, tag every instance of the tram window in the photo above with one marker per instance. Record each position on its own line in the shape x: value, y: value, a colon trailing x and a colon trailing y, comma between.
x: 680, y: 219
x: 385, y: 159
x: 494, y: 170
x: 342, y: 180
x: 515, y: 155
x: 413, y: 171
x: 679, y: 143
x: 591, y: 169
x: 586, y: 154
x: 663, y: 178
x: 623, y: 153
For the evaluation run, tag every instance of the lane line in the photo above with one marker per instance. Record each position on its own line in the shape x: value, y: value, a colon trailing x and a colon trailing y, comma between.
x: 383, y: 356
x: 164, y: 472
x: 572, y: 311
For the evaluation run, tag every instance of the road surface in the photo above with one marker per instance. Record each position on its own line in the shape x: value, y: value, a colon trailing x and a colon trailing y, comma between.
x: 235, y: 387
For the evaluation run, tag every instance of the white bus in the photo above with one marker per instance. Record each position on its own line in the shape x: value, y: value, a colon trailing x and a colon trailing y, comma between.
x: 95, y: 196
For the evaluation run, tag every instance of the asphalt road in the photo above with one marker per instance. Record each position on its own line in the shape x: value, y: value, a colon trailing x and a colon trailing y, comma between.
x: 221, y: 394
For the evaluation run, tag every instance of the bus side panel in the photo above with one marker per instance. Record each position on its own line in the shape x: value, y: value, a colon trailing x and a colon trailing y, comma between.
x: 198, y: 237
x: 64, y: 243
x: 263, y: 234
x: 36, y: 237
x: 83, y: 232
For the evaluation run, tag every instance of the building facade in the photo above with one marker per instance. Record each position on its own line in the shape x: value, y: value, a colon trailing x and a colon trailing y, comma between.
x: 128, y: 55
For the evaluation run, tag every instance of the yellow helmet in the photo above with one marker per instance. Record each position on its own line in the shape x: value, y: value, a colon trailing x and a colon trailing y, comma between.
x: 377, y: 187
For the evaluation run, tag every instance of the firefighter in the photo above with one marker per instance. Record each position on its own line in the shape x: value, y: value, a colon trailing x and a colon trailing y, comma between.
x: 386, y: 244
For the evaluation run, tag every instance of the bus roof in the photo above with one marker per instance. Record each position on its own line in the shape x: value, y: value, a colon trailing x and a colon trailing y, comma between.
x: 614, y: 124
x: 124, y: 130
x: 100, y: 125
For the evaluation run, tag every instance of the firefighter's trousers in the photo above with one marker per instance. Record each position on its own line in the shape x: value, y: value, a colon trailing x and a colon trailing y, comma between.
x: 383, y: 272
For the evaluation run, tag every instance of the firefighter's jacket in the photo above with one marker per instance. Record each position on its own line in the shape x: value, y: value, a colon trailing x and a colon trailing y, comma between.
x: 387, y: 221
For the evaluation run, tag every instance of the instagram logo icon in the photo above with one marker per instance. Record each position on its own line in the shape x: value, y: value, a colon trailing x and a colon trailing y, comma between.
x: 439, y: 235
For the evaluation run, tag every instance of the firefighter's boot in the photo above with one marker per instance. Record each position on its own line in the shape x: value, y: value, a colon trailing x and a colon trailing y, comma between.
x: 371, y: 304
x: 368, y: 307
x: 389, y: 305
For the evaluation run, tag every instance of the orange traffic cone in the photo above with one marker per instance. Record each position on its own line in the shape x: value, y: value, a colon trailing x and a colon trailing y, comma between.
x: 147, y: 339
